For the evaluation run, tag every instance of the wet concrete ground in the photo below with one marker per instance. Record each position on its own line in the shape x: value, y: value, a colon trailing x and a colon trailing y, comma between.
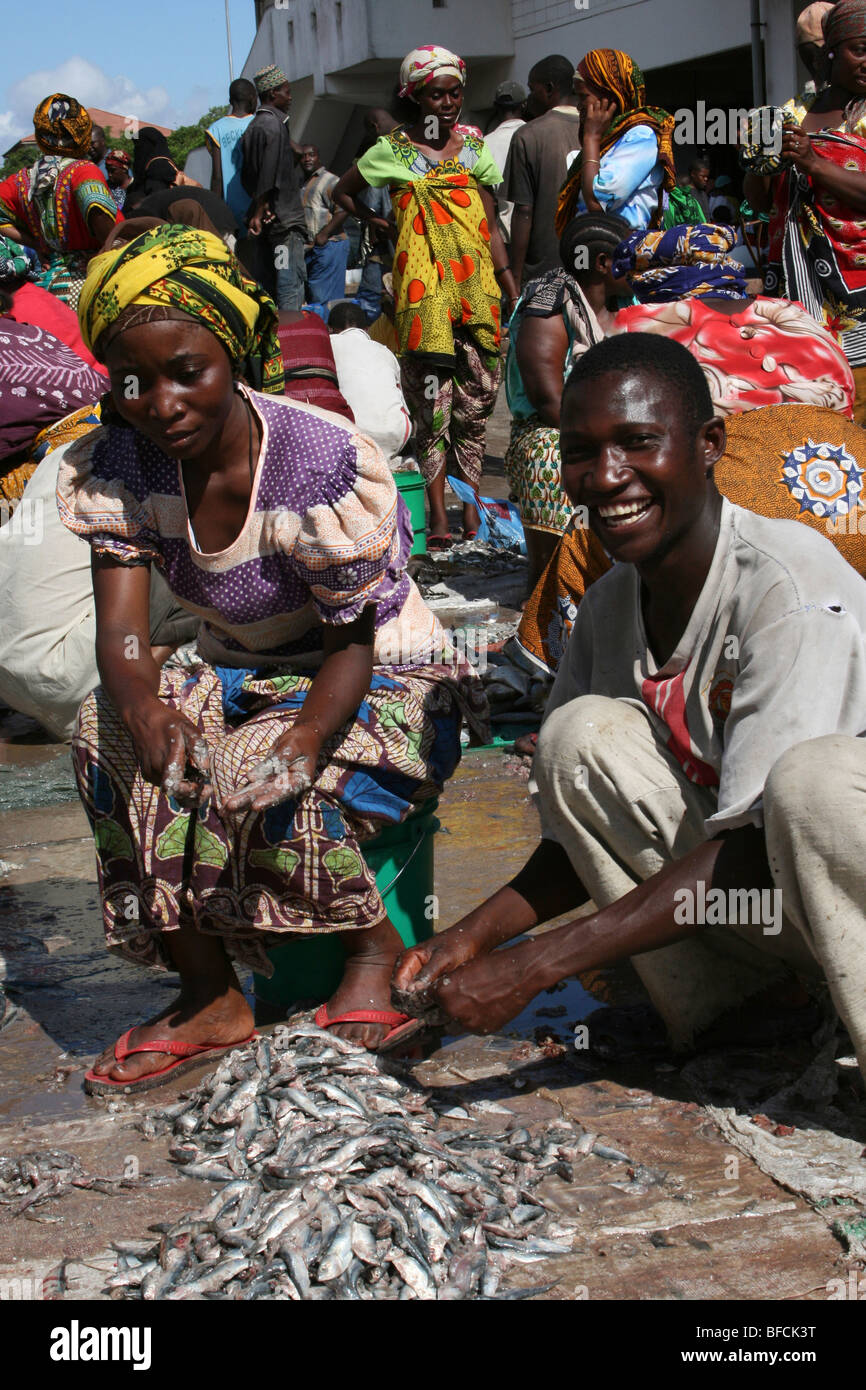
x: 679, y: 1217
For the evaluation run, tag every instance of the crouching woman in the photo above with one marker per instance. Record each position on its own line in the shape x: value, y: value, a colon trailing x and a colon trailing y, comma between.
x: 229, y: 800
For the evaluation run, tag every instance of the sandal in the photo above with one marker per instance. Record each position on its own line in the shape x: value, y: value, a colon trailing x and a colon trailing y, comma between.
x: 402, y: 1026
x: 187, y: 1056
x: 440, y: 542
x: 471, y: 535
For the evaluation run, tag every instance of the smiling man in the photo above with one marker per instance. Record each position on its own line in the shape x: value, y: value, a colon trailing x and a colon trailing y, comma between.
x: 719, y: 642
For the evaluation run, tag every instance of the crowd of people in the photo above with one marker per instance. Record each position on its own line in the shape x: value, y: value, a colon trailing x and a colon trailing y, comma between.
x: 206, y: 408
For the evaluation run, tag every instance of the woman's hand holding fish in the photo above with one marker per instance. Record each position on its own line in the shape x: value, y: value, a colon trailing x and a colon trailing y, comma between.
x: 285, y: 775
x: 171, y: 753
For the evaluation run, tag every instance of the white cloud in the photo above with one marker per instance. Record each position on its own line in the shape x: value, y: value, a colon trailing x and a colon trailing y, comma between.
x: 93, y: 87
x: 10, y: 131
x: 197, y: 101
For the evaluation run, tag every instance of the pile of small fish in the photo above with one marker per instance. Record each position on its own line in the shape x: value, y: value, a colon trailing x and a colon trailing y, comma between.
x: 338, y: 1185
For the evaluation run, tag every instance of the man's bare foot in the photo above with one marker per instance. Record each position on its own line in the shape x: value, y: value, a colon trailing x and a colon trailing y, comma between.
x: 526, y: 745
x: 222, y: 1022
x: 366, y: 982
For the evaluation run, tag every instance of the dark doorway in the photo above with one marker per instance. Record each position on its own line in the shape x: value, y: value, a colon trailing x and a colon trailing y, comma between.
x: 722, y: 81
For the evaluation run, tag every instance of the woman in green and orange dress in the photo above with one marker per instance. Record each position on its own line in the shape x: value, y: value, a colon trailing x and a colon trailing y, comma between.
x: 450, y: 273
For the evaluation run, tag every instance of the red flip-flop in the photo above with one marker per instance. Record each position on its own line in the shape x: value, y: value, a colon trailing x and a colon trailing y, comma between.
x: 402, y: 1025
x: 440, y: 542
x: 470, y: 535
x: 188, y: 1055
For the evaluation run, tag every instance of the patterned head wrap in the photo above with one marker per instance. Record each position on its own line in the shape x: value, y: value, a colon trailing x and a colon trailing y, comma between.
x: 423, y: 64
x: 681, y: 263
x: 266, y: 79
x: 118, y: 157
x: 180, y: 270
x: 810, y: 23
x: 615, y: 73
x: 619, y: 77
x: 844, y: 21
x: 62, y: 126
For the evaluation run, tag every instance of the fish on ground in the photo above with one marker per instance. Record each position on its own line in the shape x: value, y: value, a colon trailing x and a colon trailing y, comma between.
x: 339, y: 1180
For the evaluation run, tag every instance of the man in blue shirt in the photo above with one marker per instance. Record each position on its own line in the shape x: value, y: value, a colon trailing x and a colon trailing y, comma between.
x: 223, y: 141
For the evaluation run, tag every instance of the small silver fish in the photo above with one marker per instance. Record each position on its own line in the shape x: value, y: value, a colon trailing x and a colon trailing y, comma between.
x: 413, y: 1274
x: 339, y: 1253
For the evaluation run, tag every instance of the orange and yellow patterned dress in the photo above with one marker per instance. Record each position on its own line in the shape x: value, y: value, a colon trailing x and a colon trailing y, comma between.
x: 443, y: 270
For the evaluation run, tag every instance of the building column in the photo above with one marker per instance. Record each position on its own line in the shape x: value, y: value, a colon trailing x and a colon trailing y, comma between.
x: 780, y: 51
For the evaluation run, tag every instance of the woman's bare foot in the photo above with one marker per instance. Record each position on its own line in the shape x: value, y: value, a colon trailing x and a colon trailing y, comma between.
x: 210, y: 1009
x: 366, y: 982
x: 438, y: 524
x: 471, y: 519
x: 220, y: 1022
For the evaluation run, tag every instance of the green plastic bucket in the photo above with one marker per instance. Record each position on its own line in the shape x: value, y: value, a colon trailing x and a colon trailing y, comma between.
x: 411, y: 488
x: 401, y: 857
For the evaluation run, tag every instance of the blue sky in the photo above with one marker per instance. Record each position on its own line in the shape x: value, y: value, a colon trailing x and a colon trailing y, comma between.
x: 159, y: 61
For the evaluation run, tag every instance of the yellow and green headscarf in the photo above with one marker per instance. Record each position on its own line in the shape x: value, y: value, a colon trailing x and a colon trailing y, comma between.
x: 191, y: 271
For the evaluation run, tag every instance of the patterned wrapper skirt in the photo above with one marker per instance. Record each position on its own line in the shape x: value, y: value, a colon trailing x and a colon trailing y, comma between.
x: 13, y: 483
x: 532, y: 465
x: 296, y: 867
x: 450, y: 407
x: 548, y: 617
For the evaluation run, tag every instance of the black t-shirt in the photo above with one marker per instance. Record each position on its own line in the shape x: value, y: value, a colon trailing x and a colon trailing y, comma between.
x: 269, y: 168
x: 538, y: 161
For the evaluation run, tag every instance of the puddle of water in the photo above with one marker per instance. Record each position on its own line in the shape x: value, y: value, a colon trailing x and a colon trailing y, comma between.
x: 39, y: 1105
x: 558, y: 1009
x: 574, y: 1001
x: 37, y: 783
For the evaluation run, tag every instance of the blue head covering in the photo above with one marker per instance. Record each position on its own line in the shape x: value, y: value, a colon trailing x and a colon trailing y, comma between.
x: 681, y: 263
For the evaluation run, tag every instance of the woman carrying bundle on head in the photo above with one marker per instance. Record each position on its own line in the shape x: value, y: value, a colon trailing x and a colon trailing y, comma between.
x: 450, y: 272
x: 229, y: 800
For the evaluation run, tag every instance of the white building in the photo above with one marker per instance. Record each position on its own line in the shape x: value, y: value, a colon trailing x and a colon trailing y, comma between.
x: 342, y: 56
